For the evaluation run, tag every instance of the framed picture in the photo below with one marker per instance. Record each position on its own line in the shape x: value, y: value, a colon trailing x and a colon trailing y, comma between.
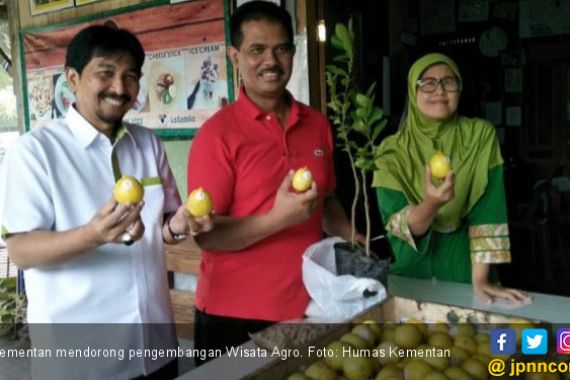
x: 43, y: 6
x: 513, y: 80
x: 185, y: 75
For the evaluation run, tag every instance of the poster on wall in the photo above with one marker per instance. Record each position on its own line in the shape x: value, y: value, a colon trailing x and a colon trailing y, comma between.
x: 538, y: 18
x: 184, y: 79
x: 43, y: 6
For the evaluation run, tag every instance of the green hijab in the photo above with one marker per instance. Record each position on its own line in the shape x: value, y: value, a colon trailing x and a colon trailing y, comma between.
x: 471, y: 144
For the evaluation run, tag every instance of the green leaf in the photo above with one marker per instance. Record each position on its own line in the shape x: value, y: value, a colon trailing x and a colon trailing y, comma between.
x: 337, y: 42
x: 376, y: 131
x: 341, y: 58
x: 377, y: 115
x: 7, y: 318
x: 370, y: 90
x: 332, y: 106
x: 362, y: 100
x: 360, y: 163
x: 361, y: 113
x: 360, y: 126
x: 336, y: 70
x: 344, y: 36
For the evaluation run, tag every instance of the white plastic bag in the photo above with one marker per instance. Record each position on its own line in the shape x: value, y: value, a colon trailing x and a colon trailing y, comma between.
x: 335, y: 298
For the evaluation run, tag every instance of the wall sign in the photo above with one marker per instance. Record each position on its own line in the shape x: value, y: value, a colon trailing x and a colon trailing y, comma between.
x: 185, y: 74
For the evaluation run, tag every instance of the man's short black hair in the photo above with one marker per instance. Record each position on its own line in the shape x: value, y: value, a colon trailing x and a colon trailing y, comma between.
x: 256, y: 11
x: 102, y: 41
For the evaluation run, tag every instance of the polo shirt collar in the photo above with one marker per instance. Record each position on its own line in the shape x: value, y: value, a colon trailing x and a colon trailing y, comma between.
x: 87, y: 133
x: 254, y: 112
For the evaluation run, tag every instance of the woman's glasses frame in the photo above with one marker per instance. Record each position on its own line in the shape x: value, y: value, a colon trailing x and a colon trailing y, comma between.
x: 448, y: 84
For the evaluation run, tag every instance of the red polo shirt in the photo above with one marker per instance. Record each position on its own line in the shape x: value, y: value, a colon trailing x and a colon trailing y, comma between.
x: 240, y: 156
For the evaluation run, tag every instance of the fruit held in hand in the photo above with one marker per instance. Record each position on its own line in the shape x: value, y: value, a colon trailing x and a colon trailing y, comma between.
x: 440, y: 165
x: 199, y: 203
x: 302, y: 180
x: 128, y: 190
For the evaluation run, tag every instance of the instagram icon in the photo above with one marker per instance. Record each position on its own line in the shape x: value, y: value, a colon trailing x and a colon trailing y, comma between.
x: 563, y: 341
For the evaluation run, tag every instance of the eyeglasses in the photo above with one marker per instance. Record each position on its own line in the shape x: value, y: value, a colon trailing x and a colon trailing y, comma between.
x: 449, y: 84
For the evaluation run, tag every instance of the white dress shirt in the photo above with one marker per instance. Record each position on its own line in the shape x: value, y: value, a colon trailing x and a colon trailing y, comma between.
x: 56, y: 178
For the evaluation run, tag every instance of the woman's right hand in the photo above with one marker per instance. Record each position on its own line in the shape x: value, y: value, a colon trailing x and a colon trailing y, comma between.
x: 438, y: 196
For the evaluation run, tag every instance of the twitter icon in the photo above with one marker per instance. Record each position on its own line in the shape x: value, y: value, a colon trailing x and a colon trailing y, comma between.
x: 534, y: 342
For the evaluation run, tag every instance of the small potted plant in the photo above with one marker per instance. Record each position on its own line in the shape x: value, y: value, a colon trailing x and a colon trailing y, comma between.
x: 358, y: 123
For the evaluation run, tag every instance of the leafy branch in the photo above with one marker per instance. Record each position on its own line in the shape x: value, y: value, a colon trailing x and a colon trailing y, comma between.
x: 358, y: 121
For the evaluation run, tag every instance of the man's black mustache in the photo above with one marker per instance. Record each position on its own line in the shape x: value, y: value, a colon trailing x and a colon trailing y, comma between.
x: 122, y: 98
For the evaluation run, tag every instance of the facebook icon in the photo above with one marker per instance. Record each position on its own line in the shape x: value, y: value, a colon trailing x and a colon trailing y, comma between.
x: 503, y: 341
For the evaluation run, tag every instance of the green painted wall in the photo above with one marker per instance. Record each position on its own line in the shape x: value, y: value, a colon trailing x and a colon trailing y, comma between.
x: 177, y: 153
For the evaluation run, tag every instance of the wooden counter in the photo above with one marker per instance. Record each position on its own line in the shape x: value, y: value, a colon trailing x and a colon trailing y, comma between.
x: 547, y: 308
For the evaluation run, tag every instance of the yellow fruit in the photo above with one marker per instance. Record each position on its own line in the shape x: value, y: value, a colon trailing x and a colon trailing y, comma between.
x: 407, y: 336
x: 320, y: 371
x: 387, y: 347
x: 298, y: 376
x: 337, y: 351
x: 483, y: 358
x: 355, y: 340
x: 390, y: 371
x: 365, y: 333
x: 420, y: 325
x: 483, y: 338
x: 302, y: 180
x: 199, y: 203
x: 484, y: 348
x: 475, y: 368
x: 456, y: 373
x: 436, y: 376
x: 458, y: 354
x: 375, y: 327
x: 438, y: 362
x: 438, y: 327
x: 388, y: 334
x: 466, y: 342
x: 128, y: 190
x: 357, y: 368
x: 417, y: 370
x: 466, y: 329
x: 440, y: 165
x: 440, y: 340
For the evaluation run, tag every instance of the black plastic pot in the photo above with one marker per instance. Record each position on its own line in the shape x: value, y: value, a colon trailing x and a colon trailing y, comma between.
x: 353, y: 260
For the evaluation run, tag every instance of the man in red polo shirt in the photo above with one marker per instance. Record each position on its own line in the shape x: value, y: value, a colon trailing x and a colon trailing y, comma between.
x: 245, y: 156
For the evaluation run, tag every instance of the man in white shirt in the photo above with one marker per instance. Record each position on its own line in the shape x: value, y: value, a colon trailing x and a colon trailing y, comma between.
x: 64, y: 228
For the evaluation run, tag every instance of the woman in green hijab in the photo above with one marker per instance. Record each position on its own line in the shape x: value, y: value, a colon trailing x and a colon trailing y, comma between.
x: 450, y: 228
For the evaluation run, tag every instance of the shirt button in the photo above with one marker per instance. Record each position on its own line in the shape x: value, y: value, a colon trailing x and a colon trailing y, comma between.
x: 268, y: 117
